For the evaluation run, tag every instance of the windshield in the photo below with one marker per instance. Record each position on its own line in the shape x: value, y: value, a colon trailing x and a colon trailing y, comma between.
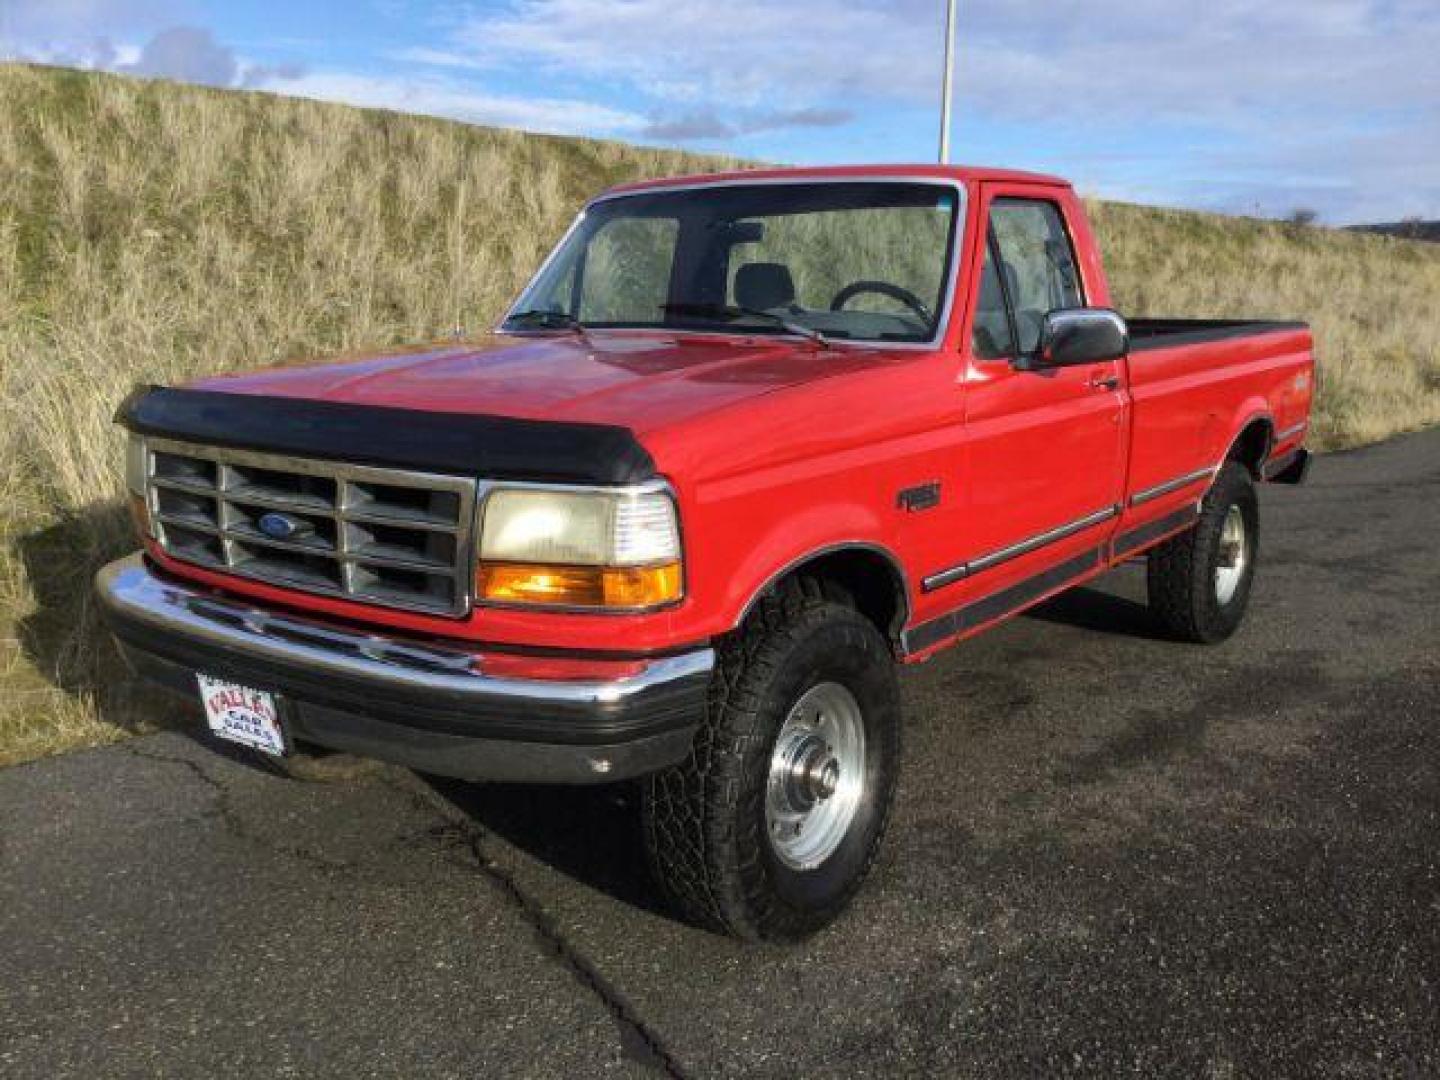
x: 861, y: 260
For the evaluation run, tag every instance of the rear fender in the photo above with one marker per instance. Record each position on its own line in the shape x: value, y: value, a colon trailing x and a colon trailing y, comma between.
x: 1253, y: 411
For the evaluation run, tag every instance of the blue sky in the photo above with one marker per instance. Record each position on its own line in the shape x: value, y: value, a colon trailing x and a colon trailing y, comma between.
x: 1250, y: 106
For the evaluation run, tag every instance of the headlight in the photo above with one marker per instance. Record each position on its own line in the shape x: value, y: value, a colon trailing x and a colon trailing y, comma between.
x: 135, y: 478
x: 580, y: 548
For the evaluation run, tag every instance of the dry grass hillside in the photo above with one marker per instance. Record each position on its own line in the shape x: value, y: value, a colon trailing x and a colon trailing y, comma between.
x: 150, y: 231
x: 1371, y: 300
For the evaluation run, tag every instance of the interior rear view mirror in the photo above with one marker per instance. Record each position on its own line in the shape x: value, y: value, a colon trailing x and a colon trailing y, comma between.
x: 744, y: 232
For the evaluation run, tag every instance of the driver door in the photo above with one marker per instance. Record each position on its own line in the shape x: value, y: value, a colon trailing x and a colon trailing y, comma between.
x: 1045, y: 447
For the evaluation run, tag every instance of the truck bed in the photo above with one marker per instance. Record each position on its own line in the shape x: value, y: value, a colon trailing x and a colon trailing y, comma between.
x: 1163, y: 333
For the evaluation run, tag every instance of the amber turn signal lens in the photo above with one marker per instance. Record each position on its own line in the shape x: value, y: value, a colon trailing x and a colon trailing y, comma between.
x: 602, y: 587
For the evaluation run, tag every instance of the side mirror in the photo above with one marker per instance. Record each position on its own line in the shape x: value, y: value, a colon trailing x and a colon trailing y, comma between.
x: 1073, y: 336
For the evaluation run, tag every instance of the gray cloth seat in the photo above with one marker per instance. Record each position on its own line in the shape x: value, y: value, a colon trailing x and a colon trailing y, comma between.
x: 764, y: 286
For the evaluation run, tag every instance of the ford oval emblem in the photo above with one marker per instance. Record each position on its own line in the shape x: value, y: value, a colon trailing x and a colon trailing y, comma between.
x: 282, y: 526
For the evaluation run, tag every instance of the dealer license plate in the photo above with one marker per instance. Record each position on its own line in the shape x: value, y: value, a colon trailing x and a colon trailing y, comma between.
x: 242, y: 715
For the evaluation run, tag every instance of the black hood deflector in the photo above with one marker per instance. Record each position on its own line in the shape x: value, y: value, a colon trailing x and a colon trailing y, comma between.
x: 491, y: 447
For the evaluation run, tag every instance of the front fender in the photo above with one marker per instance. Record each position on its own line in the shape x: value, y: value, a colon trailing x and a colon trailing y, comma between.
x: 791, y: 542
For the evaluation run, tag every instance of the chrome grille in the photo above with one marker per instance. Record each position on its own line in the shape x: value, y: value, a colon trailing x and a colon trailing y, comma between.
x: 381, y: 536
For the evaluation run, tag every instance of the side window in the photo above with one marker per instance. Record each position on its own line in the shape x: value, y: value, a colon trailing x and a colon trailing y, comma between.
x: 627, y: 270
x: 1038, y: 263
x: 991, y: 339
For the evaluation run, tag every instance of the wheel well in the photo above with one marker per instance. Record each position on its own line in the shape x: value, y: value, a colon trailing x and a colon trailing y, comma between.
x: 1252, y: 446
x: 870, y: 579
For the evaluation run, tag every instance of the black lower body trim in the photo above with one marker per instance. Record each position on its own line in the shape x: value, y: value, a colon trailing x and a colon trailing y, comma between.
x: 1005, y: 602
x: 1144, y: 535
x: 677, y: 706
x: 447, y: 753
x: 1289, y: 468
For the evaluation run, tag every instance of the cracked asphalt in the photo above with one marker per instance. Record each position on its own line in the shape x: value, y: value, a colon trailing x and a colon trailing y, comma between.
x: 1112, y: 855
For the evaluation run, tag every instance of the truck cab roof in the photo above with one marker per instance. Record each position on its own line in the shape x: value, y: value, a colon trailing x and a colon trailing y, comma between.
x: 963, y: 174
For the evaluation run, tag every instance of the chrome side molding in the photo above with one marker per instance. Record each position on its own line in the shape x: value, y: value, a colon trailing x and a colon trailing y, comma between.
x: 964, y: 570
x: 1140, y: 498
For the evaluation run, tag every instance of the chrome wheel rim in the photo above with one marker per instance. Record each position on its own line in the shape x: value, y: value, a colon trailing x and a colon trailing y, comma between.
x: 817, y: 776
x: 1233, y: 556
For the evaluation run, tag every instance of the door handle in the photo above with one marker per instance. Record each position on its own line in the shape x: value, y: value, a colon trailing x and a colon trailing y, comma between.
x: 1105, y: 382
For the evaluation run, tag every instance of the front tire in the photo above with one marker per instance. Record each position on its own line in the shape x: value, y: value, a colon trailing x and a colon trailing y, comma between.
x: 769, y: 828
x: 1199, y: 582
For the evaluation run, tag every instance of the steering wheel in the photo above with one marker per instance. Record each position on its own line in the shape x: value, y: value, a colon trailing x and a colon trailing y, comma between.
x: 884, y: 288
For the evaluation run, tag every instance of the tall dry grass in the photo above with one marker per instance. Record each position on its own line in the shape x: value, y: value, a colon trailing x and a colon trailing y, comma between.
x: 150, y: 232
x: 1372, y: 301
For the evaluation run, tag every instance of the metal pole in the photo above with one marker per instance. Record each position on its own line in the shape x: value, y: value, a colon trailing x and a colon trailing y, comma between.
x: 949, y: 82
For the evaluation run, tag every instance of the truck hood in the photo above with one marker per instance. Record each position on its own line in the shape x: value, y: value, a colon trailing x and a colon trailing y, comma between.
x: 639, y: 380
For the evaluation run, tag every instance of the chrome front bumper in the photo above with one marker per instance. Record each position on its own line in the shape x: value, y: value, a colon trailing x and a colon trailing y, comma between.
x: 426, y: 705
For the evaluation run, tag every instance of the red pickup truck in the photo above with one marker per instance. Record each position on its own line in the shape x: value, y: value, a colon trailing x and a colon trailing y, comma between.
x: 744, y: 443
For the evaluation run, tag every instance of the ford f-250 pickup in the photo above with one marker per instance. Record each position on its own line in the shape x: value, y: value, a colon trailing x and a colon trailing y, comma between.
x: 743, y: 443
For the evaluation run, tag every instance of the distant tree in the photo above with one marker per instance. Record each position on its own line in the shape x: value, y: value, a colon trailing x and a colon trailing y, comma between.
x: 1412, y: 228
x: 1303, y: 216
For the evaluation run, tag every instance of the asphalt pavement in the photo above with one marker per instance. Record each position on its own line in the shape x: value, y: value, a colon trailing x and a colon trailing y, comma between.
x: 1112, y: 855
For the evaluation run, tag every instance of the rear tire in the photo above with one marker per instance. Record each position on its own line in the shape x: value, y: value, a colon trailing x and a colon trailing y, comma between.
x: 1199, y: 582
x: 768, y: 829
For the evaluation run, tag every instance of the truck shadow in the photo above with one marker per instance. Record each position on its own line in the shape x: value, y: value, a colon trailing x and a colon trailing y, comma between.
x: 1087, y: 608
x: 589, y: 834
x: 62, y: 636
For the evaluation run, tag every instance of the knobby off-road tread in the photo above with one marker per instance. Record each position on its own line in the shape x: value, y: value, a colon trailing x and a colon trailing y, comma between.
x: 1180, y: 575
x: 704, y: 818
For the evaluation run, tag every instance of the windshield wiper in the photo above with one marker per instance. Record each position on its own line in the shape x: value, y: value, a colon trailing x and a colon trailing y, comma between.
x: 548, y: 320
x: 732, y: 312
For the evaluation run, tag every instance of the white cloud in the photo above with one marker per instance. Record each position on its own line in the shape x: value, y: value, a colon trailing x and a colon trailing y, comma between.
x: 1227, y: 63
x: 1325, y: 101
x: 441, y: 58
x: 38, y: 20
x: 1383, y: 174
x: 743, y: 53
x: 441, y: 97
x: 187, y: 53
x: 1248, y: 89
x: 1233, y: 64
x: 1234, y: 104
x: 708, y: 125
